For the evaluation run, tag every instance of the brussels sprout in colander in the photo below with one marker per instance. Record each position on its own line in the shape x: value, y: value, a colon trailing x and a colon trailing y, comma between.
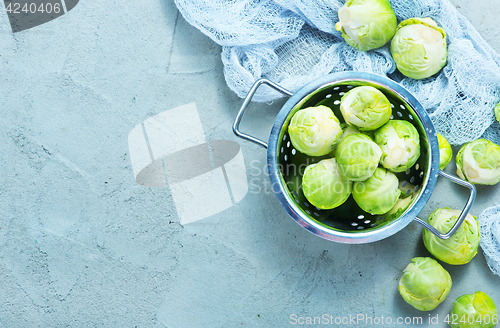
x: 324, y: 186
x: 357, y: 156
x: 424, y: 283
x: 366, y: 108
x: 400, y: 144
x: 479, y: 162
x: 367, y: 24
x: 476, y: 310
x: 379, y: 193
x: 314, y: 130
x: 445, y: 152
x: 462, y: 246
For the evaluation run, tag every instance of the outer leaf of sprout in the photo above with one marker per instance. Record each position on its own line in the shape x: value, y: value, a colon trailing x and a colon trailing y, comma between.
x: 479, y: 162
x: 357, y: 156
x: 445, y: 152
x: 400, y: 144
x: 324, y: 186
x: 459, y: 248
x: 477, y: 311
x: 419, y: 48
x: 379, y: 193
x: 424, y: 283
x: 314, y: 130
x: 367, y: 24
x: 365, y: 108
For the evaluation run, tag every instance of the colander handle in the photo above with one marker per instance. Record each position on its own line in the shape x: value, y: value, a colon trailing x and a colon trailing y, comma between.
x: 462, y: 216
x: 243, y: 108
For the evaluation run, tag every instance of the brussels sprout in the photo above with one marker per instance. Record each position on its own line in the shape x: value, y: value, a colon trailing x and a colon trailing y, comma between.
x: 367, y: 24
x: 357, y: 156
x: 445, y: 152
x: 400, y: 143
x: 497, y: 112
x: 419, y: 48
x: 459, y: 248
x: 474, y: 311
x: 379, y: 193
x: 424, y: 283
x: 314, y: 131
x: 366, y: 108
x: 479, y: 162
x: 324, y: 186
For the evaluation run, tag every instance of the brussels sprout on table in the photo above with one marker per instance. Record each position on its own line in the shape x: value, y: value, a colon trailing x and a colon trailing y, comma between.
x: 445, y: 152
x: 379, y: 193
x: 474, y: 311
x: 367, y: 24
x: 314, y: 131
x: 479, y: 162
x: 324, y: 186
x: 424, y: 283
x: 365, y: 108
x: 400, y: 144
x: 459, y: 248
x: 419, y: 48
x: 357, y: 156
x: 497, y: 112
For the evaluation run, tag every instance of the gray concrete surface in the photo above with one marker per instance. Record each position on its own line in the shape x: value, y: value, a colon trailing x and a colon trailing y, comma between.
x: 83, y: 245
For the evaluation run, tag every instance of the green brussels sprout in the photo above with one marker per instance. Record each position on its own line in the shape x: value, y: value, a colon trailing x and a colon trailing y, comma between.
x: 424, y: 283
x: 419, y: 48
x: 379, y: 193
x: 445, y: 152
x: 324, y: 186
x: 400, y: 144
x: 474, y: 311
x: 367, y: 24
x: 479, y: 162
x: 459, y: 248
x: 357, y: 156
x: 365, y: 108
x: 314, y: 131
x: 497, y: 112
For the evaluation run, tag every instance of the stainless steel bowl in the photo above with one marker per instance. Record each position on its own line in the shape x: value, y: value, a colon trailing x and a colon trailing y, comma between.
x: 348, y: 223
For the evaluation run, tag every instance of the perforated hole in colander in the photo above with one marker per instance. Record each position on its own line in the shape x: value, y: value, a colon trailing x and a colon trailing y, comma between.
x: 349, y: 216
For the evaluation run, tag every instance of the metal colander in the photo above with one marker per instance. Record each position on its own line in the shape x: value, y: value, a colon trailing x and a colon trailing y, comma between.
x: 348, y: 223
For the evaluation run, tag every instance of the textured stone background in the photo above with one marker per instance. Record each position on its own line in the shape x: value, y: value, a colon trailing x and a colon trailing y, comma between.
x: 83, y: 245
